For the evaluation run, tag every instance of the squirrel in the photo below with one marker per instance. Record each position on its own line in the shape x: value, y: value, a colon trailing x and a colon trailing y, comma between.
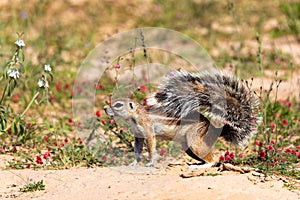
x: 193, y: 109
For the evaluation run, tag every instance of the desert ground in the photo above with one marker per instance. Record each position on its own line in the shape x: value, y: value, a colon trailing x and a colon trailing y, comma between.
x: 174, y: 181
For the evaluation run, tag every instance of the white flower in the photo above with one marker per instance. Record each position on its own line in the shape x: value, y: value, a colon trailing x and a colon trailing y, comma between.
x: 47, y: 68
x: 46, y: 84
x: 13, y: 73
x: 20, y: 43
x: 43, y: 83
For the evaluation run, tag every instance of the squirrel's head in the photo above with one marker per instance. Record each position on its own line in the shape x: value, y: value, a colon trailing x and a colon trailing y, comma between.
x: 124, y: 108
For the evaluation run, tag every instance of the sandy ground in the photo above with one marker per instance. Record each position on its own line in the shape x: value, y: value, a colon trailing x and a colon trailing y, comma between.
x: 140, y: 183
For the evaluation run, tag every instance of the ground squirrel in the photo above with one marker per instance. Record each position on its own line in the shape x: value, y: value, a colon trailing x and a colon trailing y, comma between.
x: 193, y: 109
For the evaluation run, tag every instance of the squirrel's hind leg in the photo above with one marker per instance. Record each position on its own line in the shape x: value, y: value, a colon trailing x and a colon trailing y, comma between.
x: 200, y: 142
x: 207, y: 162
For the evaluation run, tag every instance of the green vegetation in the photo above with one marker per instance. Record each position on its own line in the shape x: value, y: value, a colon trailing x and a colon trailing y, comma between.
x: 32, y: 187
x: 36, y: 122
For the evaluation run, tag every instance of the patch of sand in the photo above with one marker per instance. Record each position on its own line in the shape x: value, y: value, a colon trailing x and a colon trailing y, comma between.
x: 114, y: 183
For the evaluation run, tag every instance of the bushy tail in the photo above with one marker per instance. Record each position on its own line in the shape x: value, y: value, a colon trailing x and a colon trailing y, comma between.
x: 222, y: 99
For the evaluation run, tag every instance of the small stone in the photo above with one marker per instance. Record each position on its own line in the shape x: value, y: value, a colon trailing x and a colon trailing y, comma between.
x: 246, y: 169
x: 254, y: 173
x: 262, y: 175
x: 268, y: 178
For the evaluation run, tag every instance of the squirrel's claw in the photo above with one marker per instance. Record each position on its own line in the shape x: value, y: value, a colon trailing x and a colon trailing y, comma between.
x: 134, y: 163
x: 149, y: 164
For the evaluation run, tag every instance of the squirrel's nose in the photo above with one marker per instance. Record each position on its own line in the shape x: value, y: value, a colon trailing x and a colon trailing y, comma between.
x: 108, y: 111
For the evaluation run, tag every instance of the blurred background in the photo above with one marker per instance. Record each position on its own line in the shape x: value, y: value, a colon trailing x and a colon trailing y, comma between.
x: 253, y: 39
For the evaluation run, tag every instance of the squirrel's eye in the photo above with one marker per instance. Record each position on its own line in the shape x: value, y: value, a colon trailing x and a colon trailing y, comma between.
x: 131, y: 105
x: 118, y: 105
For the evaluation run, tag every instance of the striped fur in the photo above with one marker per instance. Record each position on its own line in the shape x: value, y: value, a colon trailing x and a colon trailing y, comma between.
x: 221, y: 98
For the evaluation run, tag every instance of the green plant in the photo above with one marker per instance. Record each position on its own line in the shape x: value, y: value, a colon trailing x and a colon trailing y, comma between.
x: 32, y: 187
x: 275, y: 148
x: 12, y: 122
x: 292, y: 15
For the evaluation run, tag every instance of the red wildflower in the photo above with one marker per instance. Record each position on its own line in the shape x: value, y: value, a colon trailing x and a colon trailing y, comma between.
x: 117, y: 66
x: 231, y: 155
x: 98, y: 114
x: 288, y: 150
x: 294, y: 152
x: 221, y: 158
x: 145, y: 101
x: 28, y: 124
x: 112, y: 159
x: 270, y: 147
x: 272, y: 164
x: 79, y: 89
x: 15, y: 97
x: 55, y: 143
x: 275, y: 159
x: 62, y: 145
x: 45, y: 138
x: 98, y: 86
x: 46, y: 155
x: 70, y: 121
x: 226, y: 153
x: 272, y: 141
x: 39, y: 160
x: 72, y: 93
x: 111, y: 121
x: 273, y: 125
x: 298, y: 147
x: 79, y: 140
x: 143, y: 88
x: 66, y: 140
x: 283, y: 159
x: 289, y: 104
x: 262, y: 154
x: 298, y: 154
x: 281, y: 101
x: 258, y: 143
x: 52, y: 98
x: 102, y: 121
x: 58, y: 86
x: 163, y: 151
x: 285, y: 122
x: 104, y: 158
x: 79, y: 124
x: 241, y: 155
x: 278, y: 150
x: 228, y: 158
x: 67, y: 85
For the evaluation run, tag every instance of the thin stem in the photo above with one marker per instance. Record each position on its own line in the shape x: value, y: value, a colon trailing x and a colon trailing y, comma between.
x: 28, y: 106
x: 26, y: 109
x: 3, y: 94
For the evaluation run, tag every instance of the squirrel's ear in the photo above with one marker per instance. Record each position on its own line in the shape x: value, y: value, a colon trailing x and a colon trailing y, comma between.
x: 131, y: 105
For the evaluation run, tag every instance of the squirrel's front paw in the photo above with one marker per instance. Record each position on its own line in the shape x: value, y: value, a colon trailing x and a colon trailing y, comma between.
x: 153, y: 161
x: 134, y: 163
x: 149, y: 164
